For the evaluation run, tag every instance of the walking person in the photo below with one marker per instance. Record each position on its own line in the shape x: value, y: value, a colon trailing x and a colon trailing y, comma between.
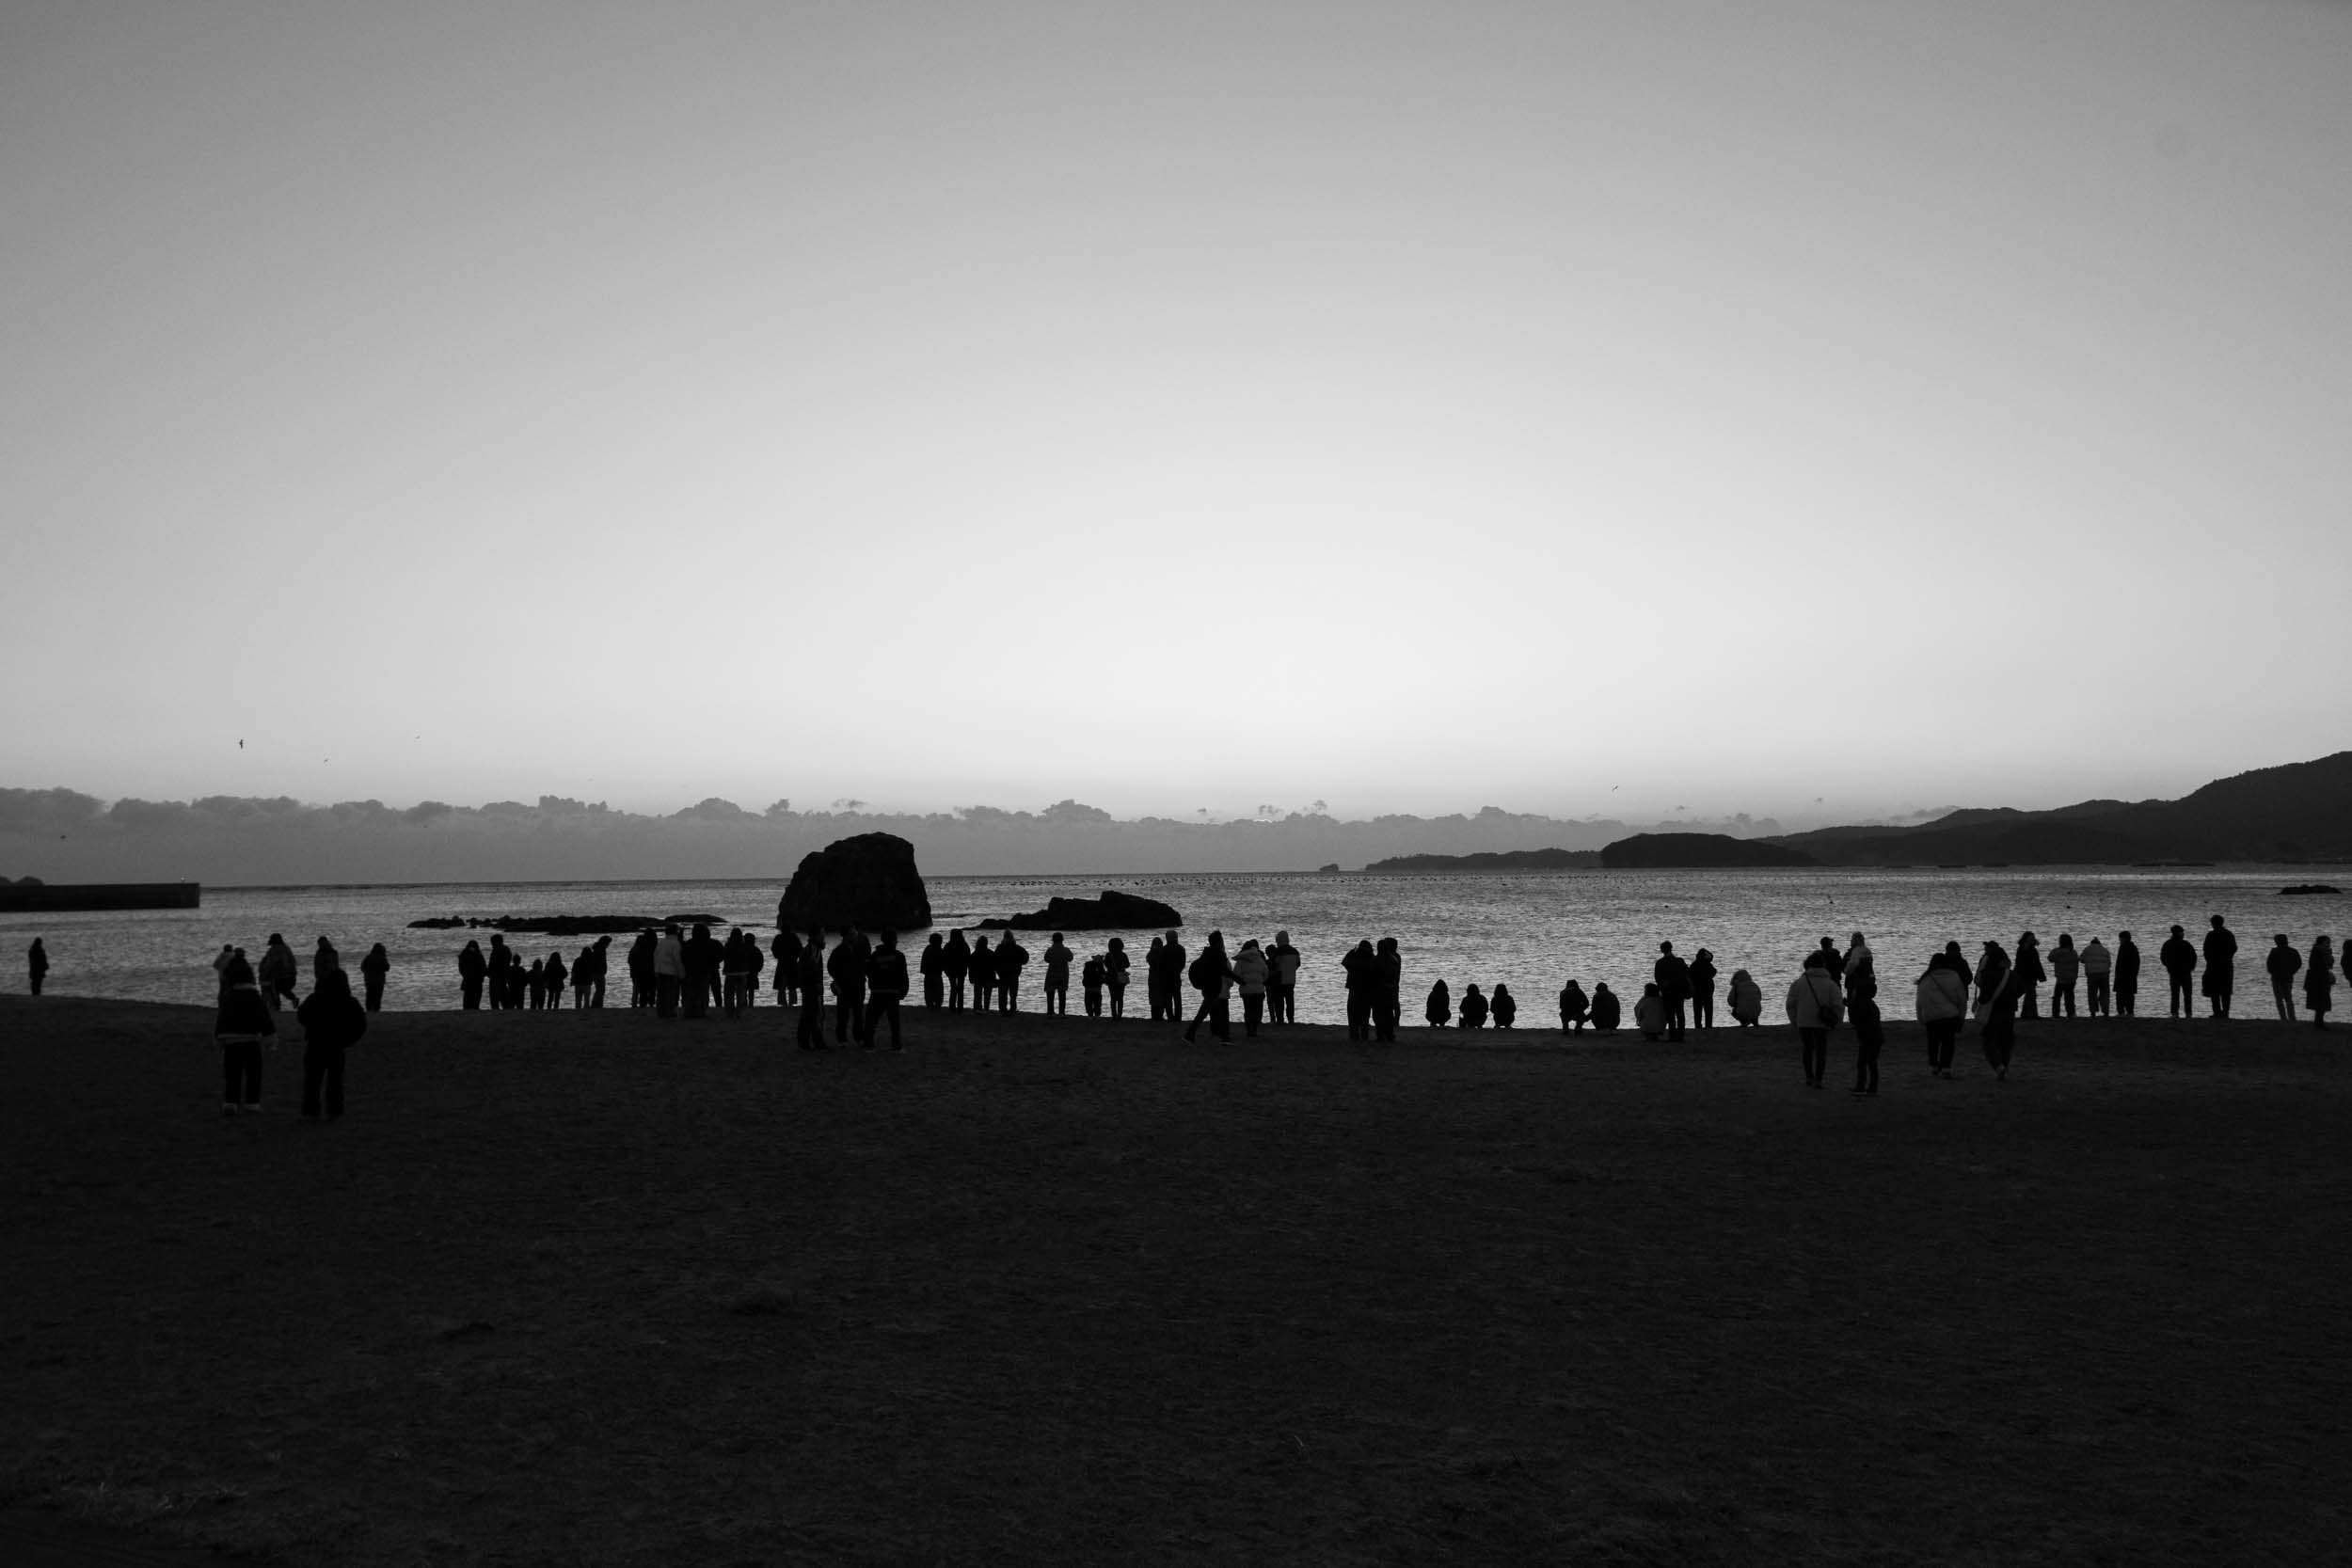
x: 2284, y: 963
x: 2319, y: 981
x: 2126, y: 975
x: 2220, y: 967
x: 37, y: 964
x: 1115, y: 967
x: 333, y: 1022
x: 1941, y: 1002
x: 1703, y: 991
x: 1252, y: 975
x: 1672, y: 977
x: 2000, y: 993
x: 372, y: 970
x: 886, y: 987
x: 1212, y: 977
x: 847, y: 966
x: 472, y: 968
x: 933, y: 968
x: 1057, y: 960
x: 1387, y: 991
x: 2180, y: 967
x: 1574, y: 1008
x: 2066, y: 967
x: 240, y: 1027
x: 2098, y: 969
x: 1813, y: 1004
x: 1282, y: 983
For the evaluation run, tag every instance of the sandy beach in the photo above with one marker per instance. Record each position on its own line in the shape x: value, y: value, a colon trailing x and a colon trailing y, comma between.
x: 587, y: 1288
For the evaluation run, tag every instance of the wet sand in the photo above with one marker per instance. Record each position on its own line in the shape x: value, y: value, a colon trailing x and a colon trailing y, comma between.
x: 584, y: 1288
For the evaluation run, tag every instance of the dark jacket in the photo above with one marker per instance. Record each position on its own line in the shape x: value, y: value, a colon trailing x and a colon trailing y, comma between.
x: 847, y: 965
x: 1673, y: 977
x: 242, y: 1013
x: 810, y: 973
x: 886, y: 973
x: 332, y: 1020
x: 955, y: 959
x: 1010, y: 956
x: 471, y: 965
x: 2177, y: 957
x: 2126, y: 965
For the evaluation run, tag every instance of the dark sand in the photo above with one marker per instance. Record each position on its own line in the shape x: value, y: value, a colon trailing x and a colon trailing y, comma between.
x: 570, y: 1287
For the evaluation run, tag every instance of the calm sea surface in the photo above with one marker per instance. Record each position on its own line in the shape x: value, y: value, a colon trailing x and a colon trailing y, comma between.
x: 1531, y: 932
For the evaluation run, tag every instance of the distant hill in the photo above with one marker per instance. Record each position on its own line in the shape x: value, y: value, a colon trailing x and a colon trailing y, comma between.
x: 1685, y: 851
x: 1503, y: 860
x: 2300, y: 811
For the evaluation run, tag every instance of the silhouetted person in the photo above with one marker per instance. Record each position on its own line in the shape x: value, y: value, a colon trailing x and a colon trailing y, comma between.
x: 1211, y: 975
x: 1058, y: 958
x: 1858, y: 970
x: 983, y: 975
x: 809, y: 981
x: 1282, y: 984
x: 1011, y: 958
x: 848, y: 967
x: 1672, y: 977
x: 1115, y: 967
x: 1998, y: 993
x: 2282, y: 963
x: 2180, y: 967
x: 1942, y: 1002
x: 276, y: 972
x: 2126, y: 975
x: 220, y: 968
x: 472, y: 968
x: 934, y: 966
x: 2026, y: 974
x: 243, y: 1022
x: 2098, y: 974
x: 705, y: 962
x: 37, y: 964
x: 1388, y: 989
x: 1650, y: 1014
x: 1503, y: 1005
x: 538, y: 983
x: 2220, y: 967
x: 2319, y: 981
x: 643, y: 986
x: 1172, y: 977
x: 1862, y: 1011
x: 501, y: 964
x: 333, y: 1022
x: 669, y: 972
x: 1091, y: 982
x: 1359, y: 967
x: 735, y: 971
x: 1833, y: 960
x: 2066, y: 967
x: 786, y: 950
x: 1815, y: 1002
x: 559, y: 974
x: 1473, y: 1008
x: 1703, y: 990
x: 1574, y: 1008
x: 1439, y: 1010
x: 1251, y: 976
x: 1745, y: 999
x: 954, y: 962
x: 1605, y: 1010
x: 373, y: 969
x: 886, y: 987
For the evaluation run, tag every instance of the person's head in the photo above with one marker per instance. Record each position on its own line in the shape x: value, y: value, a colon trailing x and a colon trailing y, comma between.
x: 1363, y: 945
x: 1737, y: 975
x: 239, y: 973
x: 1501, y: 990
x: 1217, y: 940
x: 1058, y: 935
x: 669, y: 928
x: 2282, y: 939
x: 936, y: 940
x: 1283, y: 937
x: 229, y: 947
x: 1814, y: 960
x: 1156, y: 945
x: 497, y: 940
x: 1250, y: 944
x: 473, y: 946
x: 1665, y: 947
x: 1650, y: 989
x: 323, y: 942
x: 1856, y: 941
x: 377, y: 952
x: 1705, y: 957
x: 2179, y: 931
x: 335, y: 983
x: 701, y: 930
x: 1829, y: 945
x: 2028, y: 940
x: 1601, y: 987
x: 2217, y: 923
x: 2066, y: 939
x: 275, y: 939
x: 1118, y: 946
x: 2122, y: 935
x: 890, y: 939
x: 1388, y: 944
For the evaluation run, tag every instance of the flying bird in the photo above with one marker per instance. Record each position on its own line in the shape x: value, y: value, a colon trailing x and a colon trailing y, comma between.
x: 240, y: 745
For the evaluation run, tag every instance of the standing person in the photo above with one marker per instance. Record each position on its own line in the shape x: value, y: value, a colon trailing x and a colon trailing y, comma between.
x: 2284, y: 963
x: 1504, y: 1006
x: 2220, y: 967
x: 1862, y: 1010
x: 1859, y: 970
x: 1833, y: 960
x: 324, y: 961
x: 641, y: 974
x: 472, y: 968
x: 1746, y: 999
x: 239, y: 1028
x: 886, y: 987
x: 2098, y: 969
x: 37, y: 964
x: 372, y: 970
x: 558, y: 977
x: 1941, y: 1002
x: 1115, y: 967
x: 1574, y: 1008
x: 983, y: 975
x: 1058, y: 962
x: 954, y: 962
x: 1997, y: 995
x: 1173, y: 976
x: 597, y: 959
x: 1212, y: 977
x: 847, y: 966
x: 1357, y: 966
x: 276, y: 972
x: 2180, y: 968
x: 1253, y: 974
x: 1605, y: 1010
x: 1703, y: 991
x: 786, y: 950
x: 1153, y: 963
x: 2319, y: 981
x: 706, y: 961
x: 1011, y: 958
x: 934, y: 971
x: 2026, y: 974
x: 735, y: 968
x: 809, y: 982
x: 1673, y: 978
x: 502, y: 967
x: 220, y: 966
x: 2126, y: 975
x: 1388, y: 989
x: 1090, y: 978
x: 1282, y: 984
x: 669, y: 971
x: 1439, y: 1010
x: 538, y: 985
x: 333, y: 1022
x: 1813, y: 1002
x: 2066, y: 967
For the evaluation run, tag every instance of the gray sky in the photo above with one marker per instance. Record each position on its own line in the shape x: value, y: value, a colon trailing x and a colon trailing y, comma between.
x: 1411, y: 407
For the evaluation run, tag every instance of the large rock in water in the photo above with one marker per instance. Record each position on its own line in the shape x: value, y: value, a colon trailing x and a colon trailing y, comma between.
x: 1113, y: 911
x: 868, y: 881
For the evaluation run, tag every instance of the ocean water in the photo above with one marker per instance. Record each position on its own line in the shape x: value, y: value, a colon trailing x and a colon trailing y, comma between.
x: 1532, y: 932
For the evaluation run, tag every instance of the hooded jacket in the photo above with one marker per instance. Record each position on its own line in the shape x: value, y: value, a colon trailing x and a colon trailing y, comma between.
x: 1746, y: 998
x: 1252, y: 970
x: 1814, y: 999
x: 1941, y: 994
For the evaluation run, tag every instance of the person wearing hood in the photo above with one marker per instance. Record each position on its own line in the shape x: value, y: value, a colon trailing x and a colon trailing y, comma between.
x: 1746, y: 999
x: 276, y: 972
x: 1473, y: 1008
x: 1672, y: 977
x: 37, y: 964
x: 1703, y: 991
x: 1574, y: 1009
x: 1999, y: 990
x: 1011, y: 958
x: 1357, y: 966
x: 2098, y: 969
x: 1251, y: 974
x: 2066, y: 969
x: 886, y: 987
x: 372, y: 970
x: 1858, y: 971
x: 1941, y: 1002
x: 1115, y: 967
x: 1651, y: 1015
x: 847, y: 965
x: 1387, y: 991
x: 333, y: 1022
x: 1814, y: 1004
x: 2126, y: 975
x: 2179, y: 959
x: 2026, y: 974
x: 1282, y: 988
x: 2220, y: 967
x: 2319, y: 981
x: 243, y: 1022
x: 954, y: 962
x: 1504, y: 1006
x: 933, y: 968
x: 1605, y: 1010
x: 1057, y: 960
x: 669, y: 972
x: 2282, y: 963
x: 1439, y: 1010
x: 471, y: 968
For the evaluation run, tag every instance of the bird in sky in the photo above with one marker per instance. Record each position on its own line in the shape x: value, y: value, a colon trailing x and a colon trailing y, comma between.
x: 240, y: 745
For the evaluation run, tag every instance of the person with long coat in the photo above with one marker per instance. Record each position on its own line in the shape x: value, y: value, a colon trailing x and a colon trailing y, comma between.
x: 372, y: 970
x: 2220, y: 967
x: 1388, y: 989
x: 333, y: 1022
x: 1703, y: 991
x: 1357, y: 968
x: 1999, y: 995
x: 1115, y: 967
x: 37, y: 964
x: 558, y: 975
x: 1011, y: 958
x: 473, y: 969
x: 847, y: 965
x: 1941, y: 1000
x: 2126, y: 975
x: 1813, y: 1004
x: 1671, y: 975
x: 934, y: 971
x: 2026, y: 974
x: 983, y: 975
x: 955, y: 964
x: 786, y: 949
x: 2319, y: 981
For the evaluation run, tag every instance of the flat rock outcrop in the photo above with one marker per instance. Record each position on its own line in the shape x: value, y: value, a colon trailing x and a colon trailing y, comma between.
x: 868, y: 881
x: 1113, y: 911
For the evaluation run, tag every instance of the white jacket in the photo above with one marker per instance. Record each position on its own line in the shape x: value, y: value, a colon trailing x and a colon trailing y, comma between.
x: 1941, y: 994
x: 1814, y: 1001
x: 669, y: 956
x: 2096, y: 959
x: 1249, y: 967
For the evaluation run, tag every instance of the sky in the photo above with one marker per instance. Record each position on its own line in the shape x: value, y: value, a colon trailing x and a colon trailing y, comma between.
x: 1804, y: 408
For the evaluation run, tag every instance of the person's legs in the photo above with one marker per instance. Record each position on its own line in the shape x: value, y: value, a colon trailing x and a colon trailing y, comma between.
x: 1193, y: 1029
x: 2284, y: 995
x: 1677, y: 1018
x: 313, y: 1075
x: 1253, y: 1009
x: 2062, y: 1000
x: 1008, y: 997
x: 250, y: 1061
x: 2126, y: 1001
x: 1815, y: 1045
x: 231, y: 1078
x: 665, y: 987
x: 810, y: 1035
x: 1118, y: 1001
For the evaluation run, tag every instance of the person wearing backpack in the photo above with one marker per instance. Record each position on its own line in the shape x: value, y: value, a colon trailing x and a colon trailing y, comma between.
x: 1815, y: 1003
x: 1210, y: 975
